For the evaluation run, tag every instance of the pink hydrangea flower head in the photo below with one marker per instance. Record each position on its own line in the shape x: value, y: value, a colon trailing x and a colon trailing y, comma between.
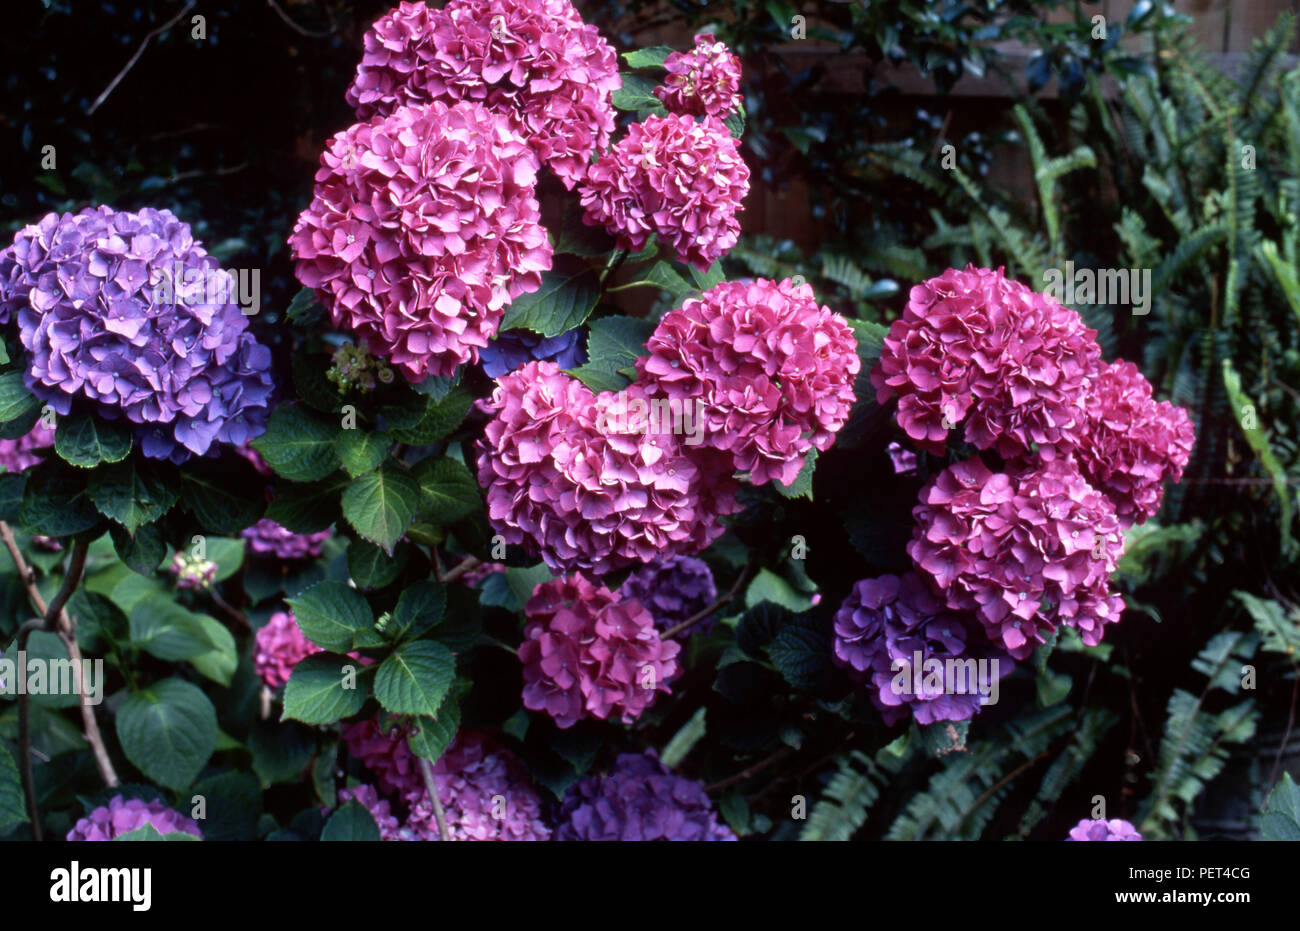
x: 534, y: 61
x: 122, y: 816
x: 768, y: 369
x: 1131, y: 443
x: 485, y: 793
x: 26, y: 451
x: 267, y: 538
x: 672, y: 176
x: 390, y: 828
x: 423, y: 227
x: 702, y: 82
x: 278, y: 646
x: 1022, y: 550
x: 385, y: 753
x: 585, y: 481
x: 588, y: 654
x: 977, y: 347
x: 1102, y: 830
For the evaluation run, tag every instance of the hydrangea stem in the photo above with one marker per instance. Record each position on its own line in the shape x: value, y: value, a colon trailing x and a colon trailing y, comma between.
x: 426, y: 771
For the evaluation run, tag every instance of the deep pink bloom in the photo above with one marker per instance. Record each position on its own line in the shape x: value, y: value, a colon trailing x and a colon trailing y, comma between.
x: 588, y: 654
x: 578, y: 477
x: 279, y: 645
x: 977, y: 347
x: 533, y: 61
x: 672, y: 176
x: 267, y: 538
x: 1023, y: 550
x: 702, y: 82
x: 122, y: 816
x: 1114, y: 829
x: 17, y: 455
x: 770, y: 370
x: 385, y: 753
x: 422, y: 228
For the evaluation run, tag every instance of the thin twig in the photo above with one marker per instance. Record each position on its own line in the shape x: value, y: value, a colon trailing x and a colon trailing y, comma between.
x: 88, y: 721
x: 717, y: 605
x: 751, y: 770
x: 234, y: 613
x: 456, y: 571
x: 426, y: 770
x: 136, y: 57
x: 295, y: 27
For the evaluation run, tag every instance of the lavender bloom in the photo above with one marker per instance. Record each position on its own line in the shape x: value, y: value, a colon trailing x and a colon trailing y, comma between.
x: 1114, y: 829
x: 127, y: 311
x: 639, y: 800
x: 267, y: 538
x: 122, y: 816
x: 672, y: 590
x: 513, y: 348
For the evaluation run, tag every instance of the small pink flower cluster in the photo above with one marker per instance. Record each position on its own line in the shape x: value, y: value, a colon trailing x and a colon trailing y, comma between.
x: 534, y: 61
x: 122, y: 816
x: 423, y: 227
x: 278, y: 646
x: 702, y: 82
x: 672, y: 176
x: 588, y: 654
x: 773, y: 368
x: 267, y: 538
x: 17, y: 455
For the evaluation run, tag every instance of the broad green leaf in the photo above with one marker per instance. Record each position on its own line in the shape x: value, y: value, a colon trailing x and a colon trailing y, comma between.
x: 147, y: 832
x: 351, y: 823
x: 280, y: 751
x: 431, y: 736
x: 563, y: 302
x: 371, y: 567
x: 419, y: 609
x: 142, y: 552
x: 55, y: 503
x: 435, y: 420
x: 85, y: 440
x: 448, y: 492
x: 15, y: 400
x: 360, y: 451
x: 168, y: 731
x: 686, y: 738
x: 299, y: 444
x: 653, y: 57
x: 304, y: 310
x: 802, y: 486
x: 56, y: 686
x: 131, y: 494
x: 318, y: 690
x: 415, y: 677
x: 224, y: 498
x: 167, y: 630
x: 1281, y: 818
x: 768, y: 586
x: 613, y: 344
x: 220, y: 662
x: 330, y: 614
x: 636, y: 94
x: 13, y: 809
x: 308, y: 507
x: 663, y: 276
x: 381, y: 505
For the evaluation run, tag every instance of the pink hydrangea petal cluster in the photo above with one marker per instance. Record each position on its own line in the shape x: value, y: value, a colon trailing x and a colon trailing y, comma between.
x: 390, y: 828
x: 17, y: 455
x: 672, y: 176
x: 267, y: 538
x: 1102, y: 830
x: 386, y: 754
x: 1023, y: 550
x: 278, y: 646
x: 122, y: 816
x: 977, y: 347
x: 571, y: 473
x: 423, y: 227
x: 534, y: 61
x: 702, y: 82
x: 1131, y: 443
x: 770, y: 370
x: 588, y: 654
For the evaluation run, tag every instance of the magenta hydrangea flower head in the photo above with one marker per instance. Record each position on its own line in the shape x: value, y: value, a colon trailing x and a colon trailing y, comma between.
x: 639, y: 800
x: 390, y: 828
x: 1131, y: 444
x: 702, y: 82
x: 588, y: 654
x: 916, y: 657
x: 673, y: 589
x: 672, y: 176
x: 278, y: 646
x: 1114, y: 829
x: 768, y: 370
x: 534, y: 61
x: 423, y: 227
x: 385, y: 753
x: 267, y: 538
x: 122, y: 816
x: 593, y: 482
x: 127, y: 313
x: 1023, y: 550
x: 24, y: 452
x: 977, y: 347
x: 486, y: 795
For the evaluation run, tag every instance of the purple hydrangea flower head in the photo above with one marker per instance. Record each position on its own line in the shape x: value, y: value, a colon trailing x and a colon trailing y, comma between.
x: 390, y: 828
x: 17, y: 455
x: 673, y: 589
x: 267, y: 538
x: 1114, y: 829
x: 279, y: 646
x: 513, y: 348
x: 896, y: 635
x: 122, y: 816
x: 702, y: 82
x: 639, y: 800
x: 127, y: 312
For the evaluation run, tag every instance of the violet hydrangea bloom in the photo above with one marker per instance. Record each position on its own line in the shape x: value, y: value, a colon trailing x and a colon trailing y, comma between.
x: 673, y: 589
x: 1022, y: 550
x: 390, y: 828
x: 916, y: 656
x: 977, y: 347
x: 126, y: 311
x: 589, y: 483
x: 588, y: 654
x: 423, y: 227
x: 22, y: 453
x: 767, y: 369
x: 267, y: 538
x: 513, y: 348
x: 702, y: 82
x: 533, y: 61
x: 280, y: 645
x: 1114, y: 829
x: 122, y: 816
x: 672, y: 176
x: 639, y: 800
